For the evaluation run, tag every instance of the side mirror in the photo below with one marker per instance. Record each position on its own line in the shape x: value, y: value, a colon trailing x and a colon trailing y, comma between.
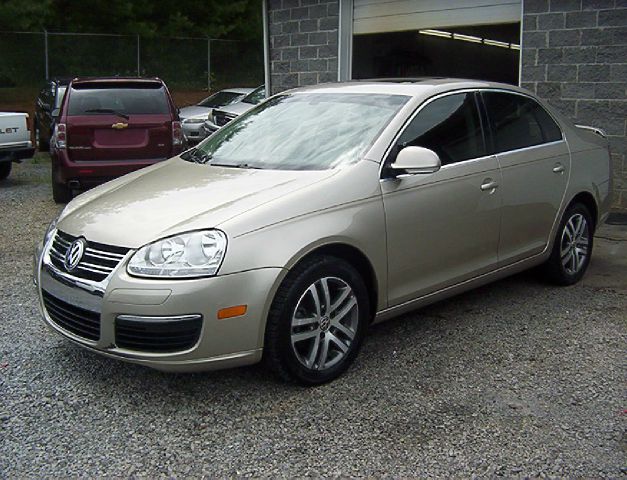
x: 55, y: 113
x: 417, y: 160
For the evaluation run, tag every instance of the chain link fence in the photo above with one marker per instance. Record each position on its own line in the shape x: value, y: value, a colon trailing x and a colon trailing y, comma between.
x: 27, y: 59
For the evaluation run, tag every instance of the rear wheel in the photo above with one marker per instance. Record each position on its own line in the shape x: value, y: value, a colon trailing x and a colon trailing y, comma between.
x: 5, y: 169
x: 317, y: 321
x: 60, y: 192
x: 572, y: 248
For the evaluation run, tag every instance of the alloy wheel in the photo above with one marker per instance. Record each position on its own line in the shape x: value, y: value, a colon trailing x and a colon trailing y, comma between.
x: 575, y: 243
x: 324, y: 323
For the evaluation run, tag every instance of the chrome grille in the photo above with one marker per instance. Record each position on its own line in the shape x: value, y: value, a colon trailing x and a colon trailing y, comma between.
x: 97, y: 263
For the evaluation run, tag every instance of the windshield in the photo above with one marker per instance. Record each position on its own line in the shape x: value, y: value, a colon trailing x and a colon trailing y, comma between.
x: 127, y: 101
x: 220, y: 99
x: 256, y: 96
x: 305, y: 131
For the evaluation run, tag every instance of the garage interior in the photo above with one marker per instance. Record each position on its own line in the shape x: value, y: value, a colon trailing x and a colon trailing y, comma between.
x: 475, y: 39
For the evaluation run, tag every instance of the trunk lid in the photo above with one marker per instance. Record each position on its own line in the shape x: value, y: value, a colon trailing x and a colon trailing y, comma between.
x: 13, y: 129
x: 110, y: 137
x: 119, y: 120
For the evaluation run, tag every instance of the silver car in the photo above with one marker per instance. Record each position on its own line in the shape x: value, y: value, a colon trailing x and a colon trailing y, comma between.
x: 221, y: 116
x: 193, y: 117
x: 288, y: 232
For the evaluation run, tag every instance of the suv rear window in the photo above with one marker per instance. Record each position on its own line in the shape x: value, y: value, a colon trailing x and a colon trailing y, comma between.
x: 125, y: 98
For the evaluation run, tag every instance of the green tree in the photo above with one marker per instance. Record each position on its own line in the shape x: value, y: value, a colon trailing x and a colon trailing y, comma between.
x: 237, y: 19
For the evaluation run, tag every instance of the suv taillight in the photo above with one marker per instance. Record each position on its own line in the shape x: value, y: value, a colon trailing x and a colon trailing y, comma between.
x: 177, y: 134
x: 60, y: 135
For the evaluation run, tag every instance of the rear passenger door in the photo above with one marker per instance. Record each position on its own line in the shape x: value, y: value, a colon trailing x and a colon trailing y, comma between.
x: 443, y: 227
x: 535, y: 164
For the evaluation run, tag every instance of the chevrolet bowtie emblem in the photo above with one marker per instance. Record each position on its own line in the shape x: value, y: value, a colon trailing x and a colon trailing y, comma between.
x: 119, y: 125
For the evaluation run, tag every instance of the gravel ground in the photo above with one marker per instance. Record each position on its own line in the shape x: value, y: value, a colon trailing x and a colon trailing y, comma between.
x: 514, y: 379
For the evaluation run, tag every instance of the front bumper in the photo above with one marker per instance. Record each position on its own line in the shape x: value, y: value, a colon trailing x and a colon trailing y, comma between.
x: 221, y: 344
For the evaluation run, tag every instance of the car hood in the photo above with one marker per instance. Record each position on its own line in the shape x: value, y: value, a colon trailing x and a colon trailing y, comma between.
x: 193, y: 111
x: 173, y: 197
x: 237, y: 108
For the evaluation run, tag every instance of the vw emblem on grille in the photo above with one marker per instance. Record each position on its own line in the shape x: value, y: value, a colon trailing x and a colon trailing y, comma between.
x: 74, y: 254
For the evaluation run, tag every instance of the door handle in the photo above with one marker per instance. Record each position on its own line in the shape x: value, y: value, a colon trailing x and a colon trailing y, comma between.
x: 489, y: 185
x: 558, y: 168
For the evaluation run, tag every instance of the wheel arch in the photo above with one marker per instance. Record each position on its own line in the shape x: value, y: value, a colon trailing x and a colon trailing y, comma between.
x: 588, y: 200
x: 356, y: 258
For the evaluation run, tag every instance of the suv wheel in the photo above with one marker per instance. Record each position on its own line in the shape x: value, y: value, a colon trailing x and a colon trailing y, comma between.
x: 572, y: 248
x: 5, y: 169
x: 317, y: 321
x: 60, y: 193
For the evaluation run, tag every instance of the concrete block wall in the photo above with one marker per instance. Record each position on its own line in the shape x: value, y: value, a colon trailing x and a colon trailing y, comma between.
x: 574, y: 54
x: 303, y: 42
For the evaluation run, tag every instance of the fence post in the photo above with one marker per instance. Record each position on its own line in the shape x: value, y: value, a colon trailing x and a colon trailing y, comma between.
x: 138, y: 58
x: 208, y: 65
x: 46, y: 52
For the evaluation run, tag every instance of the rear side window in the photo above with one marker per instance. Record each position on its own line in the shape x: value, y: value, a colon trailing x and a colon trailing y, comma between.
x: 450, y: 126
x: 518, y: 121
x: 90, y: 99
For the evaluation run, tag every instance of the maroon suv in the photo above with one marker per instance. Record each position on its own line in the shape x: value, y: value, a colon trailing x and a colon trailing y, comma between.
x: 108, y: 127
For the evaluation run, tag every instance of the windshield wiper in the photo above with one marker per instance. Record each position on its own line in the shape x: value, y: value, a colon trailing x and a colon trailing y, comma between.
x: 107, y: 110
x: 197, y: 156
x: 235, y: 165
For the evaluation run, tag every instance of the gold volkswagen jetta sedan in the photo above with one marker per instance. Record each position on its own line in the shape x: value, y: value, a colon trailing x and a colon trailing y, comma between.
x: 322, y: 210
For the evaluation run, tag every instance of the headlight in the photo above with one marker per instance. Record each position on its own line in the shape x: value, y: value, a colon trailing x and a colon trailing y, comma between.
x: 194, y: 120
x: 193, y: 254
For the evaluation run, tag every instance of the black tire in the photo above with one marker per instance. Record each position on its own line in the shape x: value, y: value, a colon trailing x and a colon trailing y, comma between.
x: 279, y: 353
x: 41, y: 144
x: 5, y: 169
x: 564, y: 266
x: 60, y: 192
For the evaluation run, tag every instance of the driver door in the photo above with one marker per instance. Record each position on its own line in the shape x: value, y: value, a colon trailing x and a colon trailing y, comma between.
x: 442, y: 228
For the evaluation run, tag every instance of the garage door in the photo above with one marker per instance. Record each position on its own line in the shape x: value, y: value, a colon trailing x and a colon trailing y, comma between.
x: 376, y: 16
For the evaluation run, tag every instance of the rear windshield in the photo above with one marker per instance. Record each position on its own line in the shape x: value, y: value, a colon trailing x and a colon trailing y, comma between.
x: 127, y: 99
x: 220, y: 99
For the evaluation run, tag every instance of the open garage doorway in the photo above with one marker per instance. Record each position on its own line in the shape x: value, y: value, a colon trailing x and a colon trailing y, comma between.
x: 486, y: 52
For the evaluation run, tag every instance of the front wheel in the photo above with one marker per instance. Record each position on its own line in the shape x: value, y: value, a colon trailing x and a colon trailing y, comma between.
x: 40, y: 143
x: 572, y: 248
x: 317, y: 321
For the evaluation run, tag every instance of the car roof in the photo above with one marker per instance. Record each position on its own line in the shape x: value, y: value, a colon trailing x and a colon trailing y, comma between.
x: 414, y: 87
x: 83, y: 80
x: 241, y: 90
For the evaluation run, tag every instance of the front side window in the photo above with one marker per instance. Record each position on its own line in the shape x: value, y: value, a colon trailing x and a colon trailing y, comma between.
x: 256, y: 96
x: 518, y: 121
x: 304, y: 131
x: 450, y: 126
x: 59, y: 98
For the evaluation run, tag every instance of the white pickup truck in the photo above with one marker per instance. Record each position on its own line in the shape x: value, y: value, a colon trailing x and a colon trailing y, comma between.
x: 15, y: 142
